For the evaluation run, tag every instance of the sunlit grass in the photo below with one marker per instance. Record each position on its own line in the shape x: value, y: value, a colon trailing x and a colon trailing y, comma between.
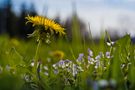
x: 64, y: 65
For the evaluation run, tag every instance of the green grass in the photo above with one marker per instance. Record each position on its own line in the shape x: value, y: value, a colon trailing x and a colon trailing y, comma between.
x: 115, y: 73
x: 67, y: 65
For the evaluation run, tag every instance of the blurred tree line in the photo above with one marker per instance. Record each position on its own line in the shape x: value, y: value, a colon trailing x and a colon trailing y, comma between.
x: 14, y: 25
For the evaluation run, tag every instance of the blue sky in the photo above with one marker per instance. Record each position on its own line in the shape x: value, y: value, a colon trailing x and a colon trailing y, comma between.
x: 101, y: 14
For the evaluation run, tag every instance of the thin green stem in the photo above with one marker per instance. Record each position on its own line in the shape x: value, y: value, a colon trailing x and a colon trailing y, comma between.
x: 36, y: 56
x: 90, y: 35
x: 109, y: 38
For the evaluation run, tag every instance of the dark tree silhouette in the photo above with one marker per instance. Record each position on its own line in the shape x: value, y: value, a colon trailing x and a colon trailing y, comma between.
x: 7, y: 18
x: 10, y: 19
x: 23, y: 28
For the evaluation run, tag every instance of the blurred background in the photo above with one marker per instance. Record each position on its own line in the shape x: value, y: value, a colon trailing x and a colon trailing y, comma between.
x: 86, y: 16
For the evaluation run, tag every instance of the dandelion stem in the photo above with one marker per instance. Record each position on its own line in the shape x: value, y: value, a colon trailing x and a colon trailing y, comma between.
x: 36, y: 55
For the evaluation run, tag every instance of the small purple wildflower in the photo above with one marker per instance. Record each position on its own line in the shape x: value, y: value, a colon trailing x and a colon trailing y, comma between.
x: 95, y: 85
x: 61, y: 63
x: 98, y: 57
x: 90, y: 60
x: 67, y: 62
x: 90, y: 52
x: 56, y: 71
x: 80, y: 58
x: 108, y: 55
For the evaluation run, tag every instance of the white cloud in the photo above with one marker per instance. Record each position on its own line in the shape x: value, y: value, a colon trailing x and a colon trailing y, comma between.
x: 121, y: 19
x: 93, y: 11
x: 99, y: 16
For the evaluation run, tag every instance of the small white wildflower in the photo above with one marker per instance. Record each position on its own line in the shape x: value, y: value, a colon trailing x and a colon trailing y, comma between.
x: 68, y: 63
x: 103, y: 83
x: 97, y: 64
x: 32, y: 64
x: 55, y: 66
x: 45, y: 67
x: 27, y: 78
x: 56, y: 71
x: 69, y: 69
x: 46, y: 73
x: 74, y: 70
x: 90, y: 60
x: 104, y: 68
x: 96, y: 67
x: 80, y: 68
x: 110, y: 43
x: 1, y: 69
x: 92, y: 63
x: 123, y: 65
x: 8, y: 67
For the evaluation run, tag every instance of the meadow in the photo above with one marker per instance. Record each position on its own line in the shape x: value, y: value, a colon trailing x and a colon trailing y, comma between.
x: 66, y: 65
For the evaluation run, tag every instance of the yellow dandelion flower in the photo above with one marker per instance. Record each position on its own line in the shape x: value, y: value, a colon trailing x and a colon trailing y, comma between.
x: 57, y: 54
x: 48, y: 24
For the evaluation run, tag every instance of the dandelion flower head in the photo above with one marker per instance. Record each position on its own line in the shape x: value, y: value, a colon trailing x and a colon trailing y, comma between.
x: 48, y: 24
x: 57, y: 54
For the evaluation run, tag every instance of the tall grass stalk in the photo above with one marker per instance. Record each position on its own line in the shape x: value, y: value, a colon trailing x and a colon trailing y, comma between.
x: 36, y: 58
